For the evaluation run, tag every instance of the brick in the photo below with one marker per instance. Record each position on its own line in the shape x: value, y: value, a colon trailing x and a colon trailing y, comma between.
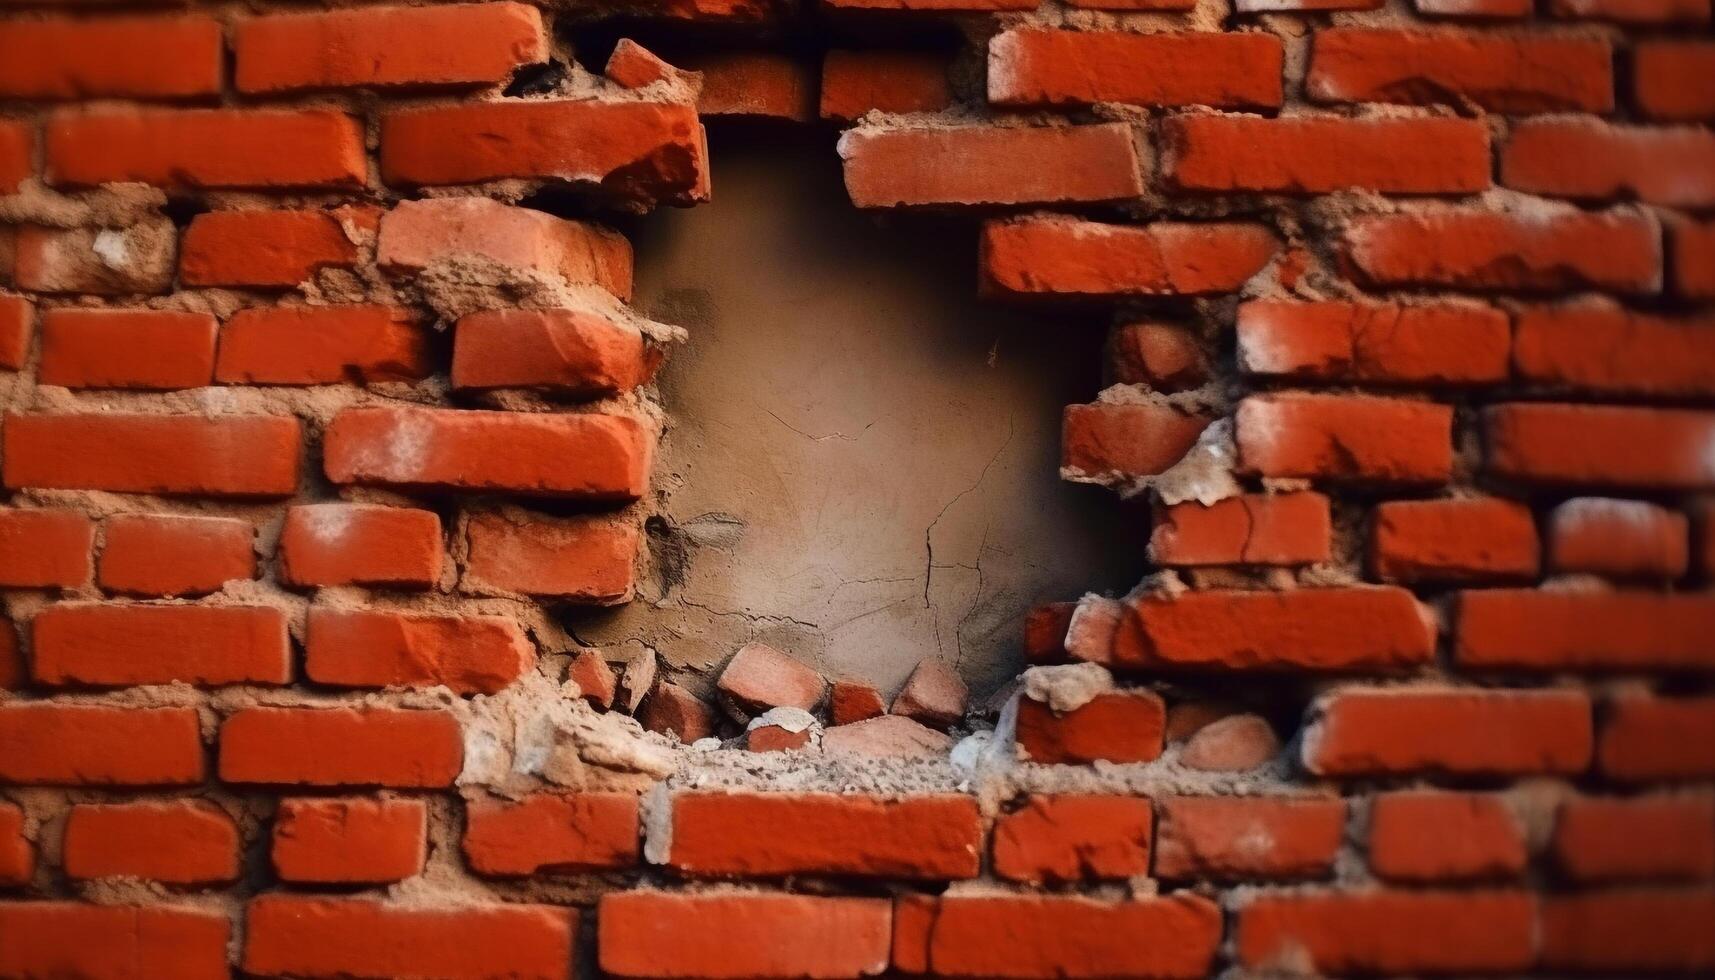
x: 419, y: 235
x: 1558, y: 251
x: 754, y: 85
x: 567, y: 352
x: 115, y: 942
x: 17, y: 323
x: 360, y: 544
x: 773, y: 834
x: 403, y: 749
x: 351, y: 840
x: 759, y: 677
x: 1302, y: 6
x: 1164, y: 356
x: 1045, y: 629
x: 934, y: 694
x: 17, y: 857
x: 230, y: 455
x: 633, y: 66
x: 1317, y: 154
x: 1432, y: 836
x: 17, y: 154
x: 1439, y: 344
x: 1619, y: 539
x: 1674, y: 81
x: 1588, y: 159
x: 1650, y: 739
x: 1067, y: 258
x: 1694, y: 259
x: 1073, y: 838
x: 177, y: 843
x: 1117, y: 727
x: 1120, y: 439
x: 1649, y: 837
x: 1226, y: 838
x: 1457, y: 731
x: 853, y: 701
x: 856, y: 82
x: 1653, y: 930
x: 154, y: 350
x: 167, y: 555
x: 103, y: 261
x: 13, y: 673
x: 45, y: 548
x: 718, y: 936
x: 457, y: 44
x: 314, y: 345
x: 1509, y: 74
x: 1454, y: 540
x: 670, y: 709
x: 90, y: 745
x: 1347, y: 438
x: 1056, y: 936
x: 936, y: 6
x: 1600, y: 445
x: 302, y: 935
x: 637, y: 152
x: 595, y: 679
x: 1035, y: 68
x: 572, y: 833
x: 1604, y: 349
x: 110, y: 57
x: 989, y: 165
x: 273, y: 249
x: 1634, y: 11
x: 1387, y: 932
x: 1250, y: 529
x: 377, y: 648
x: 197, y: 149
x: 114, y: 644
x: 1479, y: 10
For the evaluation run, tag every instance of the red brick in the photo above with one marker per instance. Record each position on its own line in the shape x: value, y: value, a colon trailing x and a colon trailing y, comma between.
x: 1119, y: 439
x: 639, y: 152
x: 457, y: 44
x: 17, y: 323
x: 594, y: 678
x: 419, y: 235
x: 1649, y: 930
x: 1601, y: 840
x: 113, y: 644
x: 852, y: 701
x: 1068, y: 258
x: 1619, y: 538
x: 17, y: 858
x: 90, y: 745
x: 719, y: 936
x: 1354, y: 438
x: 632, y: 65
x: 379, y: 648
x: 103, y: 261
x: 1056, y: 936
x: 1389, y: 933
x: 229, y: 455
x: 1032, y: 67
x: 1454, y: 540
x: 114, y: 942
x: 293, y: 935
x: 112, y: 57
x: 1589, y: 159
x: 1302, y: 6
x: 1318, y: 154
x: 1600, y: 445
x: 264, y: 248
x: 936, y: 6
x: 1609, y: 350
x: 586, y: 560
x: 1259, y: 837
x: 1118, y: 727
x: 1674, y: 80
x: 1250, y: 529
x: 205, y: 148
x: 1648, y: 739
x: 17, y: 154
x: 1072, y: 838
x: 1510, y: 74
x: 404, y: 749
x: 13, y: 673
x: 856, y: 82
x: 1432, y: 836
x: 44, y: 548
x: 349, y: 841
x: 1458, y: 731
x: 567, y: 352
x: 360, y: 544
x: 754, y: 85
x: 552, y: 834
x: 772, y: 834
x: 1634, y: 11
x: 591, y: 457
x: 178, y: 843
x: 1694, y: 259
x: 1164, y: 356
x: 159, y: 350
x: 672, y: 710
x: 170, y: 555
x: 1442, y: 344
x: 984, y: 165
x: 1617, y: 250
x: 311, y: 345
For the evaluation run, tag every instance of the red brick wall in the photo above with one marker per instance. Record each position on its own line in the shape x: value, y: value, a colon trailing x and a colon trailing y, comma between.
x: 312, y: 433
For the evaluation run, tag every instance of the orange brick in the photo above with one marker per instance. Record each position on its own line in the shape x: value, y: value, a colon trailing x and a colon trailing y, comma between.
x: 1072, y: 838
x: 1352, y: 438
x: 1604, y: 349
x: 88, y: 745
x: 17, y: 154
x: 1430, y: 836
x: 1674, y: 80
x: 54, y: 939
x: 1461, y: 731
x: 405, y: 749
x: 1648, y: 837
x: 110, y: 57
x: 568, y: 352
x: 1118, y: 727
x: 206, y: 148
x: 351, y: 840
x: 1071, y: 259
x: 156, y: 350
x: 754, y: 85
x: 1260, y: 837
x: 1499, y: 73
x: 381, y: 648
x: 1118, y: 439
x: 1652, y: 739
x: 1390, y: 933
x: 1619, y: 538
x: 1441, y: 344
x: 903, y: 167
x: 169, y: 555
x: 1694, y: 259
x: 17, y: 323
x: 44, y: 548
x: 549, y: 833
x: 1634, y: 11
x: 419, y: 234
x: 587, y: 560
x: 1316, y: 154
x: 360, y: 544
x: 1599, y: 445
x: 101, y: 261
x: 1033, y: 67
x: 264, y: 248
x: 1589, y: 159
x: 856, y: 82
x: 178, y: 843
x: 731, y: 936
x: 229, y: 455
x: 1250, y: 529
x: 114, y: 644
x: 311, y: 345
x: 1454, y: 540
x: 1630, y: 930
x: 17, y: 857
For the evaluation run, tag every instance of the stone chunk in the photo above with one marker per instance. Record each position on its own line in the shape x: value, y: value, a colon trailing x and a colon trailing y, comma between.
x: 1231, y: 744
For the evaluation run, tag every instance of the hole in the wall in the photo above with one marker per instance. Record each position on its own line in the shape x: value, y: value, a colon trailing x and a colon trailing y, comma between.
x: 536, y: 79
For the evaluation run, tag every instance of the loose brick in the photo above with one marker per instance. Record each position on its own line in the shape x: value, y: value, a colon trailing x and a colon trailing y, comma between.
x: 88, y: 745
x: 111, y: 644
x: 1454, y: 540
x: 275, y: 249
x: 122, y: 942
x: 375, y: 648
x: 1618, y: 250
x: 856, y: 82
x: 1316, y: 155
x: 17, y: 154
x: 1634, y: 11
x: 1250, y: 529
x: 987, y: 165
x: 1653, y: 930
x: 1432, y: 836
x: 110, y: 57
x: 349, y: 841
x: 595, y: 679
x: 1604, y: 349
x: 672, y: 710
x: 360, y: 544
x: 166, y: 555
x: 591, y: 457
x: 314, y: 345
x: 854, y: 701
x: 44, y: 548
x: 194, y: 149
x: 1350, y: 438
x: 1110, y: 439
x: 341, y: 747
x: 1260, y: 837
x: 155, y: 350
x: 1672, y: 80
x: 1031, y: 67
x: 293, y: 935
x: 1694, y: 259
x: 178, y: 843
x: 418, y: 235
x: 1649, y: 739
x: 1664, y: 837
x: 1164, y: 356
x: 1390, y: 932
x: 1067, y: 258
x: 718, y: 936
x: 1510, y: 74
x: 103, y: 261
x: 1442, y: 344
x: 754, y: 85
x: 568, y: 352
x: 229, y: 455
x: 1073, y: 838
x: 457, y: 44
x: 633, y: 66
x: 772, y: 834
x: 585, y: 560
x: 1589, y: 159
x: 1459, y: 731
x: 572, y: 833
x: 1475, y: 9
x: 17, y: 323
x: 1117, y: 727
x: 17, y: 858
x: 1619, y: 539
x: 1600, y: 445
